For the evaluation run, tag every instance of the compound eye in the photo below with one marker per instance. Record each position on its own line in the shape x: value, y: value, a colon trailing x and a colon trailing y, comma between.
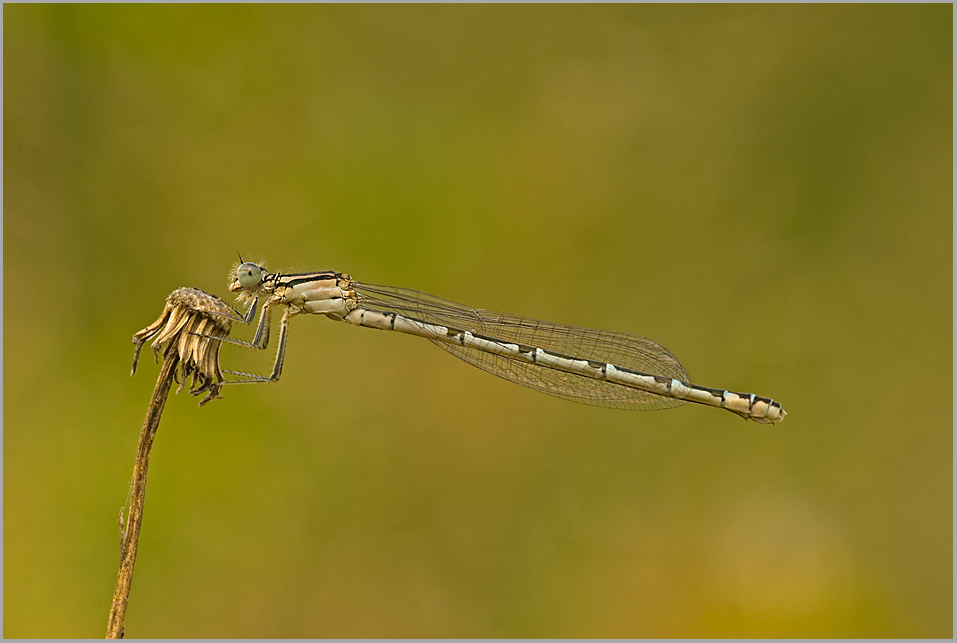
x: 249, y: 275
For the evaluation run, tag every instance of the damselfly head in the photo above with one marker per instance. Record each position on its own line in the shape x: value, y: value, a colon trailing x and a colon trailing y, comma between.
x: 248, y: 276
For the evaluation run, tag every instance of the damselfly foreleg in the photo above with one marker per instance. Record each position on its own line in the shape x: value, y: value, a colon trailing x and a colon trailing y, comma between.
x: 254, y: 378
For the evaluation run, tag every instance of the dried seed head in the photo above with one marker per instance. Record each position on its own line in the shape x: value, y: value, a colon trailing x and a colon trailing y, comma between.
x: 192, y: 323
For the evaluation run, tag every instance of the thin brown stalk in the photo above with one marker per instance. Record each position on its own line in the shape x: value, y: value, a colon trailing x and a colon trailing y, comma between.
x: 131, y: 536
x: 191, y: 327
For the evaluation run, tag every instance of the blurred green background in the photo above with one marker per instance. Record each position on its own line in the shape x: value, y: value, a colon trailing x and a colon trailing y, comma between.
x: 765, y: 190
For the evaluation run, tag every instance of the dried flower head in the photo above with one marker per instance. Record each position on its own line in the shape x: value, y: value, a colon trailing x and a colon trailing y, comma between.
x: 192, y: 323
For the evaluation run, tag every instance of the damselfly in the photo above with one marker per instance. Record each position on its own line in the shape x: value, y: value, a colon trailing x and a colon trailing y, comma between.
x: 597, y: 367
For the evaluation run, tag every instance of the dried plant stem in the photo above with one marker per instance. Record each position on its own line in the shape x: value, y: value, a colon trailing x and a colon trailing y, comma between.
x: 134, y: 520
x: 191, y: 327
